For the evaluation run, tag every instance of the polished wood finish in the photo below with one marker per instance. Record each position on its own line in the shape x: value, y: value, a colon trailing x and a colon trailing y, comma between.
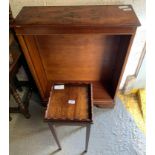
x: 102, y: 94
x: 99, y: 15
x: 71, y: 44
x: 46, y: 30
x: 58, y: 108
x: 60, y: 111
x: 90, y: 63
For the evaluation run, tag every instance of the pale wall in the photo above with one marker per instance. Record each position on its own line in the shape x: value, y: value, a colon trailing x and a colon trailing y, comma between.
x: 138, y: 5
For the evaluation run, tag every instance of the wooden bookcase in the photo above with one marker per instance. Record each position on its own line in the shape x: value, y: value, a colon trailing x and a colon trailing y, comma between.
x: 74, y: 44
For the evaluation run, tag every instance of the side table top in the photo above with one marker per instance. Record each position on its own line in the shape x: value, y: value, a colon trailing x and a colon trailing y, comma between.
x: 73, y: 103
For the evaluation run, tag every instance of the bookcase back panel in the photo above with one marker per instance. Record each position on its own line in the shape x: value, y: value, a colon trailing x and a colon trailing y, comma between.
x: 78, y: 57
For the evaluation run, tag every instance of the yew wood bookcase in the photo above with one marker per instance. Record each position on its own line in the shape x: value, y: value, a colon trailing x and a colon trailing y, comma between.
x: 65, y: 44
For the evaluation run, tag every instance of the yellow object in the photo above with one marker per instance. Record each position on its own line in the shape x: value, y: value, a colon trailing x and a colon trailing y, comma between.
x: 142, y: 102
x: 135, y: 106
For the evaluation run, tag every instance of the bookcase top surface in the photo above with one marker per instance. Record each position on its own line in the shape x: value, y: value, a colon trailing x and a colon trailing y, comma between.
x: 92, y: 15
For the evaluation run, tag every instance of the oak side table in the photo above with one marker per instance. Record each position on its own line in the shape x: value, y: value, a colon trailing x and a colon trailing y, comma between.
x: 70, y: 104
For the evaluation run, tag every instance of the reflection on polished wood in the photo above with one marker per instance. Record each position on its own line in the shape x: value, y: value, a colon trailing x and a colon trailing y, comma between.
x: 60, y: 109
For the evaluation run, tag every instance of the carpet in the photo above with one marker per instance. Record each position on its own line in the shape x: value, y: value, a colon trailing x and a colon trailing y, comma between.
x: 114, y: 132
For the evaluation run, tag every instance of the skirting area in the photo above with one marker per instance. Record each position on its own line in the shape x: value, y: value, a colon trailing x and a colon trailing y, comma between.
x: 114, y: 132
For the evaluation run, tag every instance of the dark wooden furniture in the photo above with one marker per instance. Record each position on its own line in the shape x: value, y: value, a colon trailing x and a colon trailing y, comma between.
x: 16, y: 61
x: 77, y: 44
x: 70, y: 106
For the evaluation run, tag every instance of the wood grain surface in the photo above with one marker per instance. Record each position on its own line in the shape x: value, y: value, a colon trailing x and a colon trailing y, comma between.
x: 59, y: 109
x: 78, y: 57
x: 99, y: 15
x: 77, y: 44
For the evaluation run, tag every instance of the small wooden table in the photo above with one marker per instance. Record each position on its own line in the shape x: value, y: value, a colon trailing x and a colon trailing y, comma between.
x: 71, y: 105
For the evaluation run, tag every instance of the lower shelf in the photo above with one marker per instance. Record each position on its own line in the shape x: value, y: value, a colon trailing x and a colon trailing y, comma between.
x: 101, y: 97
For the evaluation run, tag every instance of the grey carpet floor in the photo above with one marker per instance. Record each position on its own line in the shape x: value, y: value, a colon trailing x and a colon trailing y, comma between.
x: 114, y: 132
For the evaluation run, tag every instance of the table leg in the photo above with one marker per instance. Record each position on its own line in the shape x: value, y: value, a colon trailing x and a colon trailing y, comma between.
x: 17, y: 83
x: 54, y: 134
x: 88, y: 127
x: 17, y: 98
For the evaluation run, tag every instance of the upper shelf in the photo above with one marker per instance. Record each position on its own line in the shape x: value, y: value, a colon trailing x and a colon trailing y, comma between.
x: 98, y: 15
